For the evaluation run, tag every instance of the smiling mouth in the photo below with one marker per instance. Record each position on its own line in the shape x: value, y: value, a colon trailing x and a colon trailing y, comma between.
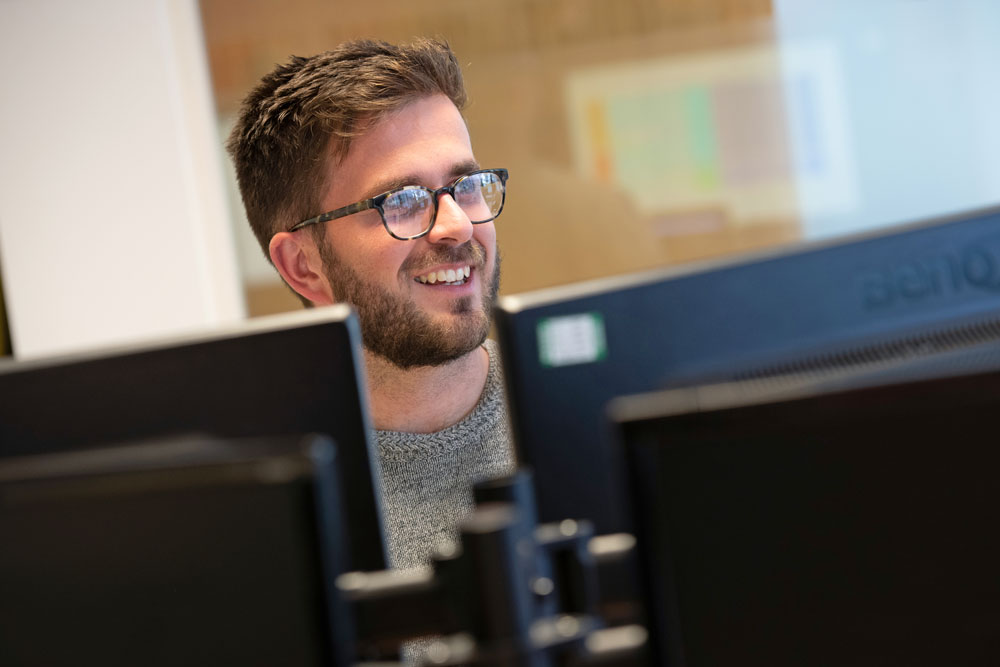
x: 457, y: 276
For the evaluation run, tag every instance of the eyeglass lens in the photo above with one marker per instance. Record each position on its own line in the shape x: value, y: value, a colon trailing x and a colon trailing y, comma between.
x: 410, y: 212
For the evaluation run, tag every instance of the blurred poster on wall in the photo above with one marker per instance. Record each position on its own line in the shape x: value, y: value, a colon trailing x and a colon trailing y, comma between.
x: 699, y: 140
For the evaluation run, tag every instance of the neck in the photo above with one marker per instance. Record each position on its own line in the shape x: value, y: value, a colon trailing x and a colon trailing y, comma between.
x: 428, y: 398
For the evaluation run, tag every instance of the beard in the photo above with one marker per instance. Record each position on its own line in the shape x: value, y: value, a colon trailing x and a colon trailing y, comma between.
x: 396, y: 329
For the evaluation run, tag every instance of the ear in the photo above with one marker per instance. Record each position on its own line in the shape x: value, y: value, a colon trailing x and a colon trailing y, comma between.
x: 297, y: 260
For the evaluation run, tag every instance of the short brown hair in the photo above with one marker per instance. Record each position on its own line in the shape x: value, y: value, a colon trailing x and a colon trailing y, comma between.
x: 307, y: 112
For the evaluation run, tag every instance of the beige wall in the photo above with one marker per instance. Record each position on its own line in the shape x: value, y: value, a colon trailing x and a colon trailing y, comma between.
x: 113, y: 225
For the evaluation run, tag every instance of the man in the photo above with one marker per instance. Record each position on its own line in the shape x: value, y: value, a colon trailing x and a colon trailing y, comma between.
x: 359, y: 181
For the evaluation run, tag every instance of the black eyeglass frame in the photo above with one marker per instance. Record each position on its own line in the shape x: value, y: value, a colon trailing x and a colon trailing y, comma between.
x: 377, y: 201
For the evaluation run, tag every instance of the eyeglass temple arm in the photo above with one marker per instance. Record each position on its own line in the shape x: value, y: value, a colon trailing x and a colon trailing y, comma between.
x: 350, y: 209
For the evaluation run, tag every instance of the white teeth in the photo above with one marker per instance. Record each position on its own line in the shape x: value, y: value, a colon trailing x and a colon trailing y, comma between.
x: 447, y: 276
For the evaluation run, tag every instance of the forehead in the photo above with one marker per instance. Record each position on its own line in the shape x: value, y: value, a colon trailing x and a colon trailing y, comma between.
x: 421, y: 142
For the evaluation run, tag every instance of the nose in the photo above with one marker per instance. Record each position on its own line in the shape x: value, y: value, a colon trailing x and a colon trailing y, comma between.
x: 452, y: 225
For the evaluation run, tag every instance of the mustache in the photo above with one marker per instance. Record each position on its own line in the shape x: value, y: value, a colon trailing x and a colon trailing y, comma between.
x: 469, y: 253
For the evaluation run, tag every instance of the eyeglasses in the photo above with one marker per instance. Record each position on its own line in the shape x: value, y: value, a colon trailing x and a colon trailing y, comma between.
x: 409, y: 212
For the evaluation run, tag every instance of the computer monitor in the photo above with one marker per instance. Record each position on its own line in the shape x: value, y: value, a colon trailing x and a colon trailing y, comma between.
x: 813, y: 308
x: 190, y: 551
x: 825, y: 527
x: 294, y: 373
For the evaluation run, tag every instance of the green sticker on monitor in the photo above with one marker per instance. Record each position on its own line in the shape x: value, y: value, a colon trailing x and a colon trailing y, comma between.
x: 571, y: 339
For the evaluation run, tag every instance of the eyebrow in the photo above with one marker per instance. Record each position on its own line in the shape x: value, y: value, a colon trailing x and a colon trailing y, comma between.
x: 457, y: 170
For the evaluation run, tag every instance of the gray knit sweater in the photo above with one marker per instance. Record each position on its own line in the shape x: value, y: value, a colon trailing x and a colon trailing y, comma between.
x: 427, y: 478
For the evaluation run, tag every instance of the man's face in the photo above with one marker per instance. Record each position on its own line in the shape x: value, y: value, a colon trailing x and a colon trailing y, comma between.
x: 404, y: 317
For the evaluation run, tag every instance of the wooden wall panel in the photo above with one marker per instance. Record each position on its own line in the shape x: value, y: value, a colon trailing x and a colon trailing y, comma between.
x: 559, y: 226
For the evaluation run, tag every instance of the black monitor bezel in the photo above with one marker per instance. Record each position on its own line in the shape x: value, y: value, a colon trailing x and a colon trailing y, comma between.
x: 682, y: 418
x: 286, y: 374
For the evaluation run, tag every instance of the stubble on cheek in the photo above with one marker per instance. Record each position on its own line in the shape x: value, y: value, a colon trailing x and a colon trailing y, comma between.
x: 394, y: 327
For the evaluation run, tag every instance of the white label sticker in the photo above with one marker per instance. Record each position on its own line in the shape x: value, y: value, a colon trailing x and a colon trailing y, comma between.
x: 571, y: 339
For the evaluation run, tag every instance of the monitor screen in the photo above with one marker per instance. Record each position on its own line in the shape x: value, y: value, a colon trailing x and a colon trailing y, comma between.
x: 188, y: 551
x: 840, y: 527
x: 814, y: 308
x: 288, y: 374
